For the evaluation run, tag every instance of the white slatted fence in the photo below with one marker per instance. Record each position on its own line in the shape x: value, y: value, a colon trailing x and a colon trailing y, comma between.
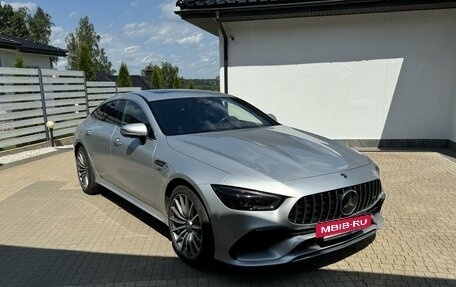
x: 66, y: 103
x: 30, y: 97
x: 21, y: 114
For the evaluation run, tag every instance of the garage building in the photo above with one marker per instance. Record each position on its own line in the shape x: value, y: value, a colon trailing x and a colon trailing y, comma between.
x: 369, y: 73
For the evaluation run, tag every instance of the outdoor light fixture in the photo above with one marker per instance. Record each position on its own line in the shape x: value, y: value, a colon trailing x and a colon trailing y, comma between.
x: 50, y: 125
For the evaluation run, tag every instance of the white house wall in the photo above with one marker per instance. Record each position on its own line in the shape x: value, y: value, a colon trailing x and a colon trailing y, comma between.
x: 8, y: 59
x: 371, y: 76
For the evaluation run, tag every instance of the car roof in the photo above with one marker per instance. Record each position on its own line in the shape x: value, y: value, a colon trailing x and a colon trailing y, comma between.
x: 162, y: 94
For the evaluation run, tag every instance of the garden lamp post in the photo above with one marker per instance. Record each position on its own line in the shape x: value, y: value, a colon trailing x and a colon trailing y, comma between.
x: 50, y: 125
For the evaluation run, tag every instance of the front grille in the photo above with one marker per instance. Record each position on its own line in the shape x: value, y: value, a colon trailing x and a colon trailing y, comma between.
x: 326, y: 205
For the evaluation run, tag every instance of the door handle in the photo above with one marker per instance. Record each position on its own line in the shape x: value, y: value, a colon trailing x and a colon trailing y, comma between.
x: 89, y: 132
x: 117, y: 142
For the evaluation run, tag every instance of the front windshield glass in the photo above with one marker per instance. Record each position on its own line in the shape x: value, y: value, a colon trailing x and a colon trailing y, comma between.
x: 208, y: 114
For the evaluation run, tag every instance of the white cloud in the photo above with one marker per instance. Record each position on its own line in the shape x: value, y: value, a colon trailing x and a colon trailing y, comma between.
x: 132, y: 49
x: 207, y: 59
x: 191, y: 40
x: 167, y: 10
x: 148, y: 59
x: 31, y: 6
x: 118, y: 49
x: 106, y: 39
x: 72, y: 14
x: 167, y: 38
x: 57, y: 29
x: 158, y: 41
x: 166, y: 33
x: 136, y: 29
x: 58, y: 35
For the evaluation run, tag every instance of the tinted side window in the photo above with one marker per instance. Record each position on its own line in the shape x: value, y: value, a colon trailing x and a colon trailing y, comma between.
x: 99, y: 113
x: 133, y: 114
x: 113, y: 112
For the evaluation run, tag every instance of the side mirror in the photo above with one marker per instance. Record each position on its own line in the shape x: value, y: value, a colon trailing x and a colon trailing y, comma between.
x: 272, y: 117
x: 134, y: 130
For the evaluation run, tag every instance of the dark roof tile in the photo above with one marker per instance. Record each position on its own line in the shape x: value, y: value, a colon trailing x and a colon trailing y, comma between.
x: 27, y: 46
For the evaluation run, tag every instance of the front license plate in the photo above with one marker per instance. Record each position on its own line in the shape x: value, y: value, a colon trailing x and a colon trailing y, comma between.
x: 335, y: 227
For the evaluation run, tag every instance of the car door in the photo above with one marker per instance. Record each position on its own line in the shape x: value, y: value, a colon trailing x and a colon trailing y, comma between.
x: 97, y: 137
x: 133, y: 158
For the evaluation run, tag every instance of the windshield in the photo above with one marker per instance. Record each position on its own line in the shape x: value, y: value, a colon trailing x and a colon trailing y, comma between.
x: 208, y: 114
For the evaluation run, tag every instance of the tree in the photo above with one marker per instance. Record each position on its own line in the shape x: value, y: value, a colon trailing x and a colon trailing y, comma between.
x: 191, y: 85
x: 157, y: 81
x: 84, y: 62
x: 19, y: 61
x: 13, y: 22
x: 86, y: 34
x: 177, y: 82
x: 169, y: 72
x: 39, y: 25
x: 6, y: 14
x: 20, y: 23
x: 147, y: 71
x: 72, y: 51
x: 124, y: 79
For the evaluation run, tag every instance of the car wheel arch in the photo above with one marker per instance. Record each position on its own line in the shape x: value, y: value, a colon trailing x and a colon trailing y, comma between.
x: 77, y: 145
x: 172, y: 184
x: 181, y: 181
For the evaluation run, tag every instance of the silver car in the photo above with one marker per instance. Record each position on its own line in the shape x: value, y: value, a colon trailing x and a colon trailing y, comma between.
x: 229, y: 181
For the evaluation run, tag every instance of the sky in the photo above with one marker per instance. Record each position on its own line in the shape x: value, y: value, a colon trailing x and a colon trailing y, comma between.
x: 137, y: 32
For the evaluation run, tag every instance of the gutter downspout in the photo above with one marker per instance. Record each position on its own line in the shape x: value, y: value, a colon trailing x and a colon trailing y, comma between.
x: 225, y: 52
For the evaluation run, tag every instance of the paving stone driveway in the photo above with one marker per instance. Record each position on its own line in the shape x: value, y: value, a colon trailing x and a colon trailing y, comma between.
x: 51, y: 233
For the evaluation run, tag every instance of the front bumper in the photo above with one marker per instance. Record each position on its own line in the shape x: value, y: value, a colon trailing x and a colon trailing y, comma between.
x: 271, y: 247
x: 260, y: 238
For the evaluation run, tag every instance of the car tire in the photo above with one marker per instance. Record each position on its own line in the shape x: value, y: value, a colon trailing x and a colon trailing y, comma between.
x: 86, y: 175
x: 190, y: 228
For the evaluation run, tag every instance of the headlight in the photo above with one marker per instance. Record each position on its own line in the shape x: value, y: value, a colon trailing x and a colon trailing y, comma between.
x: 376, y: 168
x: 245, y: 199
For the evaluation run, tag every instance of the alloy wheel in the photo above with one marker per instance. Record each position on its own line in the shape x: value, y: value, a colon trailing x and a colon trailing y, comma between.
x: 83, y: 169
x: 186, y: 226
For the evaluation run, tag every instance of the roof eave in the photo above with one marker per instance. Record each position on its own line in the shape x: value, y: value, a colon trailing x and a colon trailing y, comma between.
x: 9, y: 46
x: 62, y: 53
x: 205, y: 17
x: 45, y: 53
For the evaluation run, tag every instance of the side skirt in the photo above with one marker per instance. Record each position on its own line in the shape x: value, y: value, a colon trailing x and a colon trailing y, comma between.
x: 133, y: 200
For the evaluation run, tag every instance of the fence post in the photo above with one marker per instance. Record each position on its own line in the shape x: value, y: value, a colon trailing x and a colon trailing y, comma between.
x: 86, y: 94
x: 43, y: 102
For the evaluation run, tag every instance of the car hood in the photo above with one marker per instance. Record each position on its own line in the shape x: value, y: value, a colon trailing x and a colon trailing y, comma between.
x: 276, y: 153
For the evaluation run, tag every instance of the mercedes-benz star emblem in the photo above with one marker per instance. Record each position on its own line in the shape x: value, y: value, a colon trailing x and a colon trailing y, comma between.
x: 349, y: 201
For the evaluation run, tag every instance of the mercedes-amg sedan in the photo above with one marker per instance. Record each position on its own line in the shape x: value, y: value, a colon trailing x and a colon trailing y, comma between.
x: 229, y: 181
